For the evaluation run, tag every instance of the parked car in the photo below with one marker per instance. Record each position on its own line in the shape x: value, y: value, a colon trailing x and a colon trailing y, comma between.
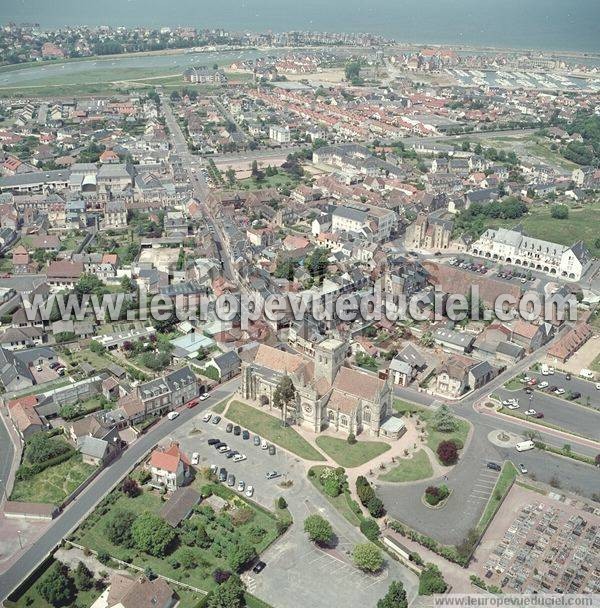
x: 172, y: 415
x: 239, y: 458
x: 539, y: 415
x: 494, y: 466
x: 260, y: 566
x: 264, y: 445
x: 237, y: 430
x: 574, y: 395
x: 272, y: 474
x: 272, y: 450
x: 213, y: 441
x: 530, y: 413
x: 231, y: 480
x: 522, y: 468
x: 559, y: 390
x: 231, y: 453
x: 528, y: 390
x: 224, y: 448
x: 216, y: 419
x: 256, y: 440
x: 249, y: 491
x: 229, y: 427
x: 513, y: 406
x: 206, y: 417
x: 241, y: 486
x: 598, y: 386
x: 195, y: 458
x: 543, y: 385
x: 204, y: 396
x: 245, y: 435
x: 54, y: 365
x: 213, y: 469
x: 567, y: 376
x: 222, y: 474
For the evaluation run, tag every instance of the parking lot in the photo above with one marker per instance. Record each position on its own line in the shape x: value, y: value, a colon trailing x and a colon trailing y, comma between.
x: 303, y: 571
x: 193, y: 437
x: 568, y: 415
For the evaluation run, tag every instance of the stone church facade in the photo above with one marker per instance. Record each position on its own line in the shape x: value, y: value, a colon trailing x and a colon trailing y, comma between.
x: 328, y: 395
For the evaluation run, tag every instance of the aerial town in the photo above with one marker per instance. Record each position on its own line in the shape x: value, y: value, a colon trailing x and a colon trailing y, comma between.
x: 168, y: 439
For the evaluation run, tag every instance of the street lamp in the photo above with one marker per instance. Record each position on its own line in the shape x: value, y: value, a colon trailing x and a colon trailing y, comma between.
x: 20, y: 541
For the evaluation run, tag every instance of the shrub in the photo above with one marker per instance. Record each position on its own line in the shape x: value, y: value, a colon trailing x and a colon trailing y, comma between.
x: 319, y: 530
x: 375, y: 507
x: 370, y: 529
x: 351, y: 439
x: 367, y: 557
x: 447, y: 452
x: 431, y: 581
x: 281, y: 503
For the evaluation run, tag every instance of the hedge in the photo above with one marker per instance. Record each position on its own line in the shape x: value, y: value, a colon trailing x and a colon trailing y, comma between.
x: 27, y: 471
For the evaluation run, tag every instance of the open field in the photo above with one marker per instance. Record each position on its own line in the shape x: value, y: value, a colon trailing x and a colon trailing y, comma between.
x: 582, y: 223
x: 53, y: 484
x: 410, y: 469
x: 270, y: 428
x: 347, y: 455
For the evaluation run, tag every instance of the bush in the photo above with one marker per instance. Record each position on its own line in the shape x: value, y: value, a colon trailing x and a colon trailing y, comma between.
x: 375, y: 507
x: 367, y: 557
x: 447, y: 452
x: 351, y: 439
x: 370, y: 529
x: 431, y: 581
x: 560, y: 212
x: 319, y: 530
x: 281, y: 503
x: 152, y: 534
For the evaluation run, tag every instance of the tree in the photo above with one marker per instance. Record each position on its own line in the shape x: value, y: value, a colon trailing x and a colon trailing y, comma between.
x: 229, y: 594
x: 130, y: 487
x: 319, y: 530
x: 126, y: 284
x: 395, y: 597
x: 370, y: 529
x: 447, y: 452
x: 281, y: 503
x: 427, y: 339
x: 285, y: 394
x: 187, y: 559
x: 152, y: 534
x: 367, y: 557
x: 83, y: 577
x: 56, y: 587
x: 89, y: 284
x: 375, y: 507
x: 230, y: 175
x: 364, y: 490
x: 443, y: 420
x: 560, y: 212
x: 240, y: 555
x: 96, y: 347
x: 118, y: 528
x: 431, y: 581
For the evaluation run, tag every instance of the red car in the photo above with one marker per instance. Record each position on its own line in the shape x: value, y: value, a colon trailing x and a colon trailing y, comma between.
x: 532, y: 382
x: 192, y: 403
x: 539, y: 415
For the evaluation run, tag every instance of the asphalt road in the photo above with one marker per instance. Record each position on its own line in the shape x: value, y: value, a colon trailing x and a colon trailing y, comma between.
x: 102, y: 485
x: 7, y: 453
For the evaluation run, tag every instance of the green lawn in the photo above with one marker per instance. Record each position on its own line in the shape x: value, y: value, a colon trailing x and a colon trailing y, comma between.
x: 347, y: 455
x: 270, y: 428
x: 220, y: 407
x: 581, y: 224
x: 92, y: 535
x: 53, y: 484
x: 341, y: 502
x: 281, y: 180
x: 410, y: 469
x: 514, y: 384
x: 434, y: 438
x: 32, y: 599
x: 503, y: 484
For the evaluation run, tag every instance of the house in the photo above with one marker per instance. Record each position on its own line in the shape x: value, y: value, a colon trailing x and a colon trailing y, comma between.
x: 24, y: 416
x: 570, y: 342
x: 401, y: 372
x: 125, y: 592
x: 15, y: 338
x: 431, y: 232
x: 453, y: 341
x: 97, y: 452
x: 227, y: 364
x: 529, y: 336
x: 63, y: 273
x: 170, y: 468
x: 180, y: 505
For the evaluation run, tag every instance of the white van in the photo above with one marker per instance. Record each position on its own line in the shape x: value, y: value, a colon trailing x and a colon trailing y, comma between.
x: 172, y: 415
x: 587, y: 374
x: 545, y: 370
x: 524, y: 446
